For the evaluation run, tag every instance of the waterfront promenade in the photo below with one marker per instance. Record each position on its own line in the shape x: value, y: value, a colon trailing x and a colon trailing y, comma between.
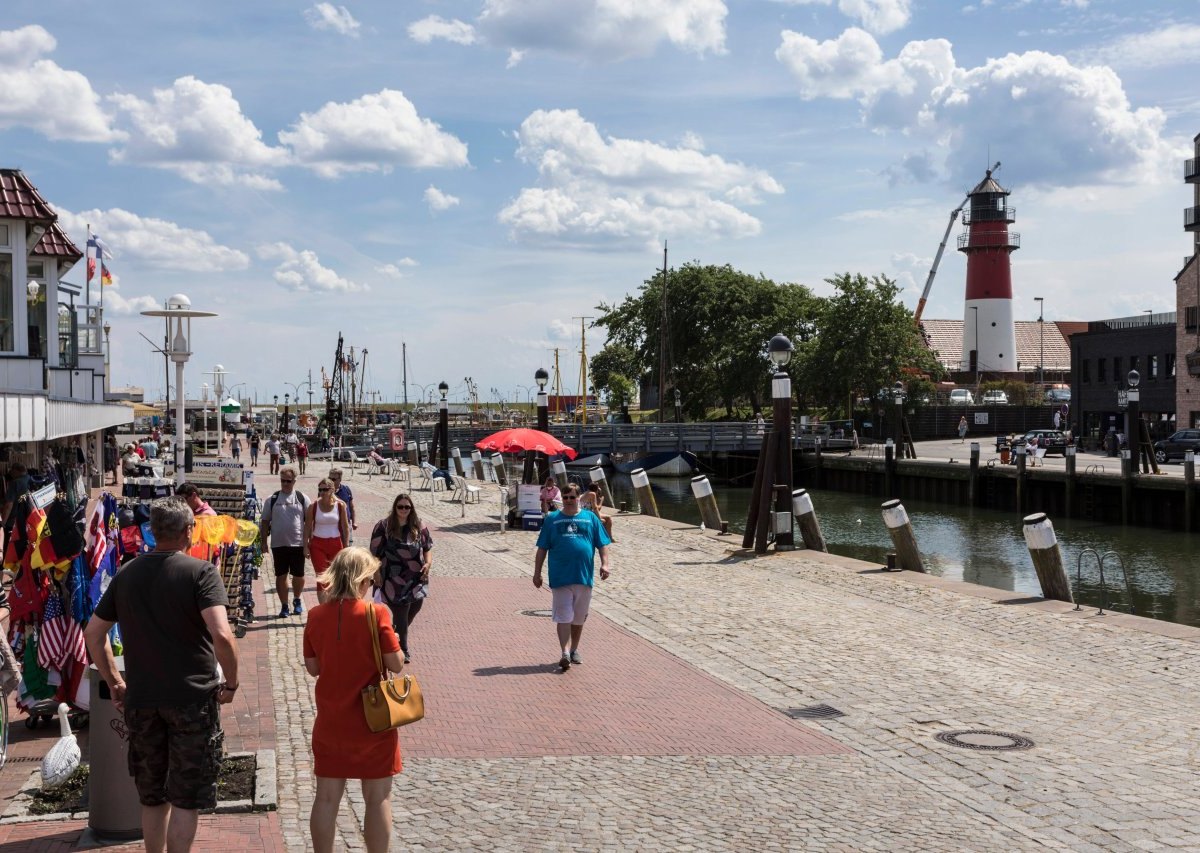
x: 673, y: 734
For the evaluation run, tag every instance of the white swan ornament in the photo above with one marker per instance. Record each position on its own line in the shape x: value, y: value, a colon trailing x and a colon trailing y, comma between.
x: 62, y: 759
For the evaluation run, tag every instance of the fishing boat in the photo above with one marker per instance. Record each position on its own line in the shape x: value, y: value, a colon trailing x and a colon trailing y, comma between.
x: 668, y: 463
x: 590, y: 461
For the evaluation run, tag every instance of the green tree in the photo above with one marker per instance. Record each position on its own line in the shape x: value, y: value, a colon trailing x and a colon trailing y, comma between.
x: 615, y: 359
x: 719, y: 323
x: 865, y: 340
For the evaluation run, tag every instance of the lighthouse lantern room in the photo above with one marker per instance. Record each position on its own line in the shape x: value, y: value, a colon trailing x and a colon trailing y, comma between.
x: 988, y: 335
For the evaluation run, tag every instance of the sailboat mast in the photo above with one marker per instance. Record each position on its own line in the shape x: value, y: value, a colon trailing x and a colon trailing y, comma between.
x: 662, y: 343
x: 583, y: 363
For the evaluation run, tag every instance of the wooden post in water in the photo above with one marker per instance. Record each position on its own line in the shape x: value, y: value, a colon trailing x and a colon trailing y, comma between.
x: 456, y: 458
x: 806, y: 518
x: 1189, y: 491
x: 498, y: 467
x: 559, y: 469
x: 752, y: 511
x: 1127, y: 470
x: 889, y: 468
x: 973, y: 480
x: 710, y: 513
x: 908, y: 557
x: 1047, y: 558
x: 596, y: 473
x: 1069, y: 484
x: 477, y: 464
x: 641, y: 485
x: 1021, y: 456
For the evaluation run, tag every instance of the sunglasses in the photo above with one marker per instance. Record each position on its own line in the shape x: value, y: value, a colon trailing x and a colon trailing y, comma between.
x: 570, y: 497
x: 286, y: 481
x: 403, y: 506
x: 324, y: 489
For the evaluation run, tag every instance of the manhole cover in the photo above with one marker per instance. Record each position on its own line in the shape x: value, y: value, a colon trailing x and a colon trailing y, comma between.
x: 983, y: 739
x: 814, y: 712
x: 545, y: 613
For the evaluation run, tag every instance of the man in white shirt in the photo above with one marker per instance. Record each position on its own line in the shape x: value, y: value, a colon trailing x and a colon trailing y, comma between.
x: 273, y: 452
x: 283, y: 526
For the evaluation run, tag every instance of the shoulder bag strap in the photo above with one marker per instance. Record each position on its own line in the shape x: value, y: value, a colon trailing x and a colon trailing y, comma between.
x: 374, y: 629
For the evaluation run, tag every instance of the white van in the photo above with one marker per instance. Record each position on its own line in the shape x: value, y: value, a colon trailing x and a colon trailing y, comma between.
x: 962, y: 397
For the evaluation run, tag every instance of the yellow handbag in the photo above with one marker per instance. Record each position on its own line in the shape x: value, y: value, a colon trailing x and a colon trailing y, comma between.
x: 388, y: 704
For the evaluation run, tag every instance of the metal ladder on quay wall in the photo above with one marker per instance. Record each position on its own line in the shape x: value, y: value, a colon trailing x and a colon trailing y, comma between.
x: 1087, y: 506
x: 1100, y: 561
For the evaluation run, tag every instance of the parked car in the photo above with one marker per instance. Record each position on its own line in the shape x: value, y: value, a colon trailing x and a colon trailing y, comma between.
x: 1177, y: 444
x: 962, y: 397
x: 995, y: 398
x: 1053, y: 440
x: 1058, y: 394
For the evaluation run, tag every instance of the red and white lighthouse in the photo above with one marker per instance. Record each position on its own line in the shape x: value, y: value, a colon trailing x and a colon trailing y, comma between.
x: 988, y: 337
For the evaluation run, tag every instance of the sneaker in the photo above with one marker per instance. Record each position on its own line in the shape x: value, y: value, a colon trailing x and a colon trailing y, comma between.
x: 575, y: 658
x: 407, y: 657
x: 297, y: 606
x: 284, y: 612
x: 565, y: 662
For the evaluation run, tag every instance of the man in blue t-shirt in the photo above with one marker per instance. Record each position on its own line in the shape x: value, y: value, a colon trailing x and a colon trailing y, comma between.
x: 571, y: 537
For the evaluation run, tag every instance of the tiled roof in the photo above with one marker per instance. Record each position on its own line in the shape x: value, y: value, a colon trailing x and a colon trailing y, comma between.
x: 945, y: 338
x: 56, y: 244
x: 19, y: 199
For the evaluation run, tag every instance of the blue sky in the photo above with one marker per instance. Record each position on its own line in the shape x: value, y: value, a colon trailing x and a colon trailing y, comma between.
x: 468, y: 177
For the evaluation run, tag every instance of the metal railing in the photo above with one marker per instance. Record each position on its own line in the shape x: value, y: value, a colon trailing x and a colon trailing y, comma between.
x: 990, y: 240
x: 1100, y: 561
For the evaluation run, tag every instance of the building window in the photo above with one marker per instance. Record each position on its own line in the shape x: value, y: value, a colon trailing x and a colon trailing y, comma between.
x: 8, y: 317
x: 1101, y: 367
x: 1135, y: 363
x: 1170, y: 365
x: 1118, y: 374
x: 1190, y: 313
x: 4, y: 235
x: 1152, y: 367
x: 1085, y: 370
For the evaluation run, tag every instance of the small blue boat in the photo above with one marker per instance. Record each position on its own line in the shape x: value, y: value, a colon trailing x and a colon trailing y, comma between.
x: 668, y: 463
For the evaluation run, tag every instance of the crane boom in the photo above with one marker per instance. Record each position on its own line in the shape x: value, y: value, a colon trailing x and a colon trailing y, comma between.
x: 941, y: 250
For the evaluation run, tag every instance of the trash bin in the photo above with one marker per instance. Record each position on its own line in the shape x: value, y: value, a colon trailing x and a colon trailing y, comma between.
x: 113, y: 808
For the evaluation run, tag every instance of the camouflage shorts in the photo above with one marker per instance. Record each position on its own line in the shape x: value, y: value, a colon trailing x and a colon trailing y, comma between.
x: 175, y: 754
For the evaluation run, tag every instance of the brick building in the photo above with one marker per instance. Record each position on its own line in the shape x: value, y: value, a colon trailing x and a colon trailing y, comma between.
x: 1187, y: 305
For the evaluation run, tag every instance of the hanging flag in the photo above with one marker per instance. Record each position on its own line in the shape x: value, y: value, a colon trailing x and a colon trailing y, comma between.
x: 105, y: 276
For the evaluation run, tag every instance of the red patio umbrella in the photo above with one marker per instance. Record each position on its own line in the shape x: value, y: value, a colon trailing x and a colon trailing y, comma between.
x: 523, y: 438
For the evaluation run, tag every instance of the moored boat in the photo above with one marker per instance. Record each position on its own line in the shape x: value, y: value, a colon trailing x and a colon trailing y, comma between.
x: 668, y: 463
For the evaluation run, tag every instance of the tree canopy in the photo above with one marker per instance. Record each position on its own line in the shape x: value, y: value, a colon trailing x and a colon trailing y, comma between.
x: 866, y: 341
x: 719, y: 323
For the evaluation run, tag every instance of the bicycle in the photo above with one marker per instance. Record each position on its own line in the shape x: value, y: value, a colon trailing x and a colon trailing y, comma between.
x: 9, y: 671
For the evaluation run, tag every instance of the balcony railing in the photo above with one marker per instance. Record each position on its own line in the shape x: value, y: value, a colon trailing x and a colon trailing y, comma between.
x: 989, y: 215
x: 990, y: 240
x: 1191, y: 219
x: 1191, y: 170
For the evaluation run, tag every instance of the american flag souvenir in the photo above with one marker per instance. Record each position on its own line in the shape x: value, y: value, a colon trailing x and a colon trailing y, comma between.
x: 61, y: 639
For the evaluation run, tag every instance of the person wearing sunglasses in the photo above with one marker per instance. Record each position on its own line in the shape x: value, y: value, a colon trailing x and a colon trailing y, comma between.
x: 326, y: 531
x: 571, y: 537
x: 405, y: 552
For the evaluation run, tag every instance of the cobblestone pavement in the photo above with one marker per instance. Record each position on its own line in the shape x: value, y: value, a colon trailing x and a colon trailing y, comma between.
x: 1108, y: 705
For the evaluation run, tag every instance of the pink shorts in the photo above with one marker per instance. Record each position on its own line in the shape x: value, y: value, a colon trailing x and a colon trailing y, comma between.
x: 571, y: 604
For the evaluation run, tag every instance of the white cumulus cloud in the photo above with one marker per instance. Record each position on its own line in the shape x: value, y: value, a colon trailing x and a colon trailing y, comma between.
x: 198, y: 131
x: 374, y: 133
x: 115, y: 303
x: 326, y: 16
x: 155, y: 242
x: 1059, y: 123
x: 438, y: 200
x: 877, y: 16
x: 301, y: 270
x: 602, y: 30
x: 39, y: 94
x: 437, y: 27
x: 396, y: 270
x: 590, y: 186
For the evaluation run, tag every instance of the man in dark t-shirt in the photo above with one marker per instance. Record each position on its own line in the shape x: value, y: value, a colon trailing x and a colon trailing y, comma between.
x: 171, y: 609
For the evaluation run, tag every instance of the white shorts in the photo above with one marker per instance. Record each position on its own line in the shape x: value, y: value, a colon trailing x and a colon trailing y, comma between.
x: 571, y: 604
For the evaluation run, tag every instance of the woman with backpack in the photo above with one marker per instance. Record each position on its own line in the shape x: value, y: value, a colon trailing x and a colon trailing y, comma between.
x: 405, y: 550
x: 326, y: 531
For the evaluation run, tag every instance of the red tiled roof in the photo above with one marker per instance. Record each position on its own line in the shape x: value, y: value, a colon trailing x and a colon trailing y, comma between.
x: 56, y: 244
x: 945, y: 339
x: 19, y: 199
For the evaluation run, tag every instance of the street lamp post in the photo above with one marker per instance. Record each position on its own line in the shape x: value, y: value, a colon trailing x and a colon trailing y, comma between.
x: 1041, y: 301
x: 443, y: 427
x: 178, y: 312
x: 771, y: 502
x: 898, y: 397
x: 678, y: 407
x: 540, y: 378
x: 107, y: 357
x: 287, y: 420
x: 1133, y: 426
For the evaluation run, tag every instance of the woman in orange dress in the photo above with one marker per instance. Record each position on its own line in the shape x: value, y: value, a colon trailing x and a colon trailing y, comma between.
x: 338, y: 651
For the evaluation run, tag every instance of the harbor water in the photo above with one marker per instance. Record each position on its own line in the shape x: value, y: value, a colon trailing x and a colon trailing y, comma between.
x: 981, y: 546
